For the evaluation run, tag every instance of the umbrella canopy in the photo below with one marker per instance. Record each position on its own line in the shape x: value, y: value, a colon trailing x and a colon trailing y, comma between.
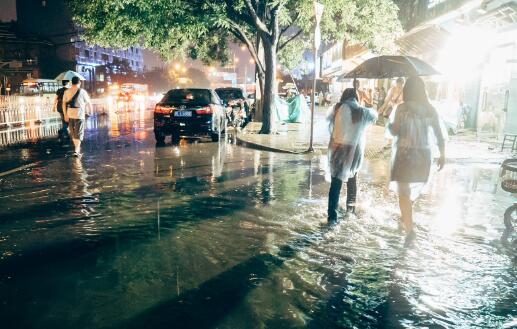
x: 386, y: 67
x: 68, y: 75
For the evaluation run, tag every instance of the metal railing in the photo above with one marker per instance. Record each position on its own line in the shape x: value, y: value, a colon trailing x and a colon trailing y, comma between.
x: 17, y: 111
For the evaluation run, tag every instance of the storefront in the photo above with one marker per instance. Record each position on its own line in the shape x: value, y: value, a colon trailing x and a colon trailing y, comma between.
x: 476, y: 52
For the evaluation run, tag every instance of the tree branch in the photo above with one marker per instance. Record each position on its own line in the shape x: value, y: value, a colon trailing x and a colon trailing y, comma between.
x: 241, y: 35
x: 291, y: 38
x: 256, y: 20
x: 285, y: 29
x: 274, y: 23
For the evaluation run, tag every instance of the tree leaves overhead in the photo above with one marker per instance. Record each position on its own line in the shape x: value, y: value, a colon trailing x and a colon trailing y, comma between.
x: 202, y: 29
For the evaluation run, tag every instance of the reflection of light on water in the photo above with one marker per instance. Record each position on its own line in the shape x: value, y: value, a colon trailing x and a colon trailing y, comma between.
x: 30, y: 133
x: 447, y: 217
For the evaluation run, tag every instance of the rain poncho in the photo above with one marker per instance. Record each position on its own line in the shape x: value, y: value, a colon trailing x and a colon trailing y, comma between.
x: 346, y: 147
x: 414, y: 128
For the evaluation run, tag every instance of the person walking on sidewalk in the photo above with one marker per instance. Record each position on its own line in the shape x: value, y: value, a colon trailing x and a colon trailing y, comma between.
x: 348, y: 123
x: 75, y: 103
x: 58, y: 105
x: 411, y: 155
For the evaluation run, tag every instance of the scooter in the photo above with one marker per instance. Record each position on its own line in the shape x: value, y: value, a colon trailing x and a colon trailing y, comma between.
x: 509, y: 184
x: 236, y: 114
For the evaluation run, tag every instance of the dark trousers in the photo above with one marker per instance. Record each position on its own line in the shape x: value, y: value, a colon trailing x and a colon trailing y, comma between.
x: 335, y: 190
x: 63, y: 132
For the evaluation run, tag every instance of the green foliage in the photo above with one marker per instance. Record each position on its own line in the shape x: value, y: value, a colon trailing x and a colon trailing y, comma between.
x: 291, y: 56
x: 202, y: 29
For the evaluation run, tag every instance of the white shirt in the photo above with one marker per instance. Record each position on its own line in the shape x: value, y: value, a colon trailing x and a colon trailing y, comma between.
x: 79, y: 109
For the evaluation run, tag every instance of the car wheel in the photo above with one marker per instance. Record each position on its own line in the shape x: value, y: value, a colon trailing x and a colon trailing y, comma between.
x: 175, y: 138
x: 159, y: 136
x: 215, y: 136
x: 225, y: 125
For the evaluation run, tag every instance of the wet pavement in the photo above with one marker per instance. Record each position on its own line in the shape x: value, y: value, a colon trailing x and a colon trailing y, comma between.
x: 214, y: 235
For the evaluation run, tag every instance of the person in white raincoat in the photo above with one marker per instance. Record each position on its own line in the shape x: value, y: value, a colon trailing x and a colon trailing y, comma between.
x: 411, y: 125
x: 348, y: 123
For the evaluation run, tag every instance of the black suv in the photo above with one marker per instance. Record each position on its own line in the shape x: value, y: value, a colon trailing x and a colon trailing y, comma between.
x: 187, y: 113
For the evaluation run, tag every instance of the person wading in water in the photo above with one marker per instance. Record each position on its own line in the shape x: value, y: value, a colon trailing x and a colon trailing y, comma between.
x: 348, y: 123
x: 411, y: 155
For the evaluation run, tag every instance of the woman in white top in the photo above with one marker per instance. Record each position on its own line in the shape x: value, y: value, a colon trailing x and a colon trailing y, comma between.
x: 412, y: 125
x: 348, y: 123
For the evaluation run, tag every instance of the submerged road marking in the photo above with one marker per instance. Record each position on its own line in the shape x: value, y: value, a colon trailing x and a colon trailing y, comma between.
x: 12, y: 171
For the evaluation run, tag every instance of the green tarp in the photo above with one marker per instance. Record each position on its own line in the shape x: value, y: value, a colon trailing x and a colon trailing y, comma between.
x: 292, y: 110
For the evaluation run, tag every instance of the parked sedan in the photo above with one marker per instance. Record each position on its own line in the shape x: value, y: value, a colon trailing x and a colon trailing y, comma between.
x: 188, y: 113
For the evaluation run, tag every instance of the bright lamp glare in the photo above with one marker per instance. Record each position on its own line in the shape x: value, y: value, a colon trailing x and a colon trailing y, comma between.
x: 464, y: 52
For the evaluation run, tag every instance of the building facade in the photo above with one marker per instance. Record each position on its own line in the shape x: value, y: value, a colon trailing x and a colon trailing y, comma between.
x: 473, y: 43
x: 51, y: 20
x: 22, y: 56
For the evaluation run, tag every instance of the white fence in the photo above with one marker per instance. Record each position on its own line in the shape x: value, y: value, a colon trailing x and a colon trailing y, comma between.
x: 17, y: 111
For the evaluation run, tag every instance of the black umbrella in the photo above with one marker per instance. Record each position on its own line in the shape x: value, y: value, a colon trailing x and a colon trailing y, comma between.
x: 387, y: 67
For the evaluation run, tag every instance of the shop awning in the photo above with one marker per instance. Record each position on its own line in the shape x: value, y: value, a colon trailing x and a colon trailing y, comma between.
x: 423, y: 41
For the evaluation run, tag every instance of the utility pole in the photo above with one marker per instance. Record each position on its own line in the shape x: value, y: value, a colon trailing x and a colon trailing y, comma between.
x: 318, y: 12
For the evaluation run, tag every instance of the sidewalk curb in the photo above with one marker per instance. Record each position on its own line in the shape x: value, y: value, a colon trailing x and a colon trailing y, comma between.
x: 262, y: 147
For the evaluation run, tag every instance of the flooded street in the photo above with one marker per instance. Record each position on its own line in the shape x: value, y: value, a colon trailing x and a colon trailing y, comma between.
x: 214, y: 235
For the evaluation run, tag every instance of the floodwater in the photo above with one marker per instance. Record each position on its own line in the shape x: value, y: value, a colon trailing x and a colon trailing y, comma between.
x: 213, y: 235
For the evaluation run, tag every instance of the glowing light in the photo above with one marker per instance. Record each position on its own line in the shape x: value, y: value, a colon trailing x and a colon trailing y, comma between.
x: 464, y: 52
x: 243, y: 48
x: 177, y: 66
x: 252, y: 61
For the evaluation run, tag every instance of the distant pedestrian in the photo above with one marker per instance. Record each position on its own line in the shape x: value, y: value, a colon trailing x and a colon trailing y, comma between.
x: 411, y: 156
x: 348, y: 122
x: 58, y: 105
x: 321, y: 98
x: 75, y: 103
x: 363, y: 98
x: 393, y: 99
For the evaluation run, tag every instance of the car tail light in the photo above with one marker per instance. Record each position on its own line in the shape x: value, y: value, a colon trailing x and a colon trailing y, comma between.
x: 204, y: 110
x: 163, y: 109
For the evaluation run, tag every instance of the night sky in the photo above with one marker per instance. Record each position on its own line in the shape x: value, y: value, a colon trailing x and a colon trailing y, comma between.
x: 7, y: 10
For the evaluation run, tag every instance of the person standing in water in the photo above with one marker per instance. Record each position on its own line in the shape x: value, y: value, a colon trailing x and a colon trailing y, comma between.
x: 411, y: 156
x: 58, y: 104
x: 75, y: 103
x: 348, y: 123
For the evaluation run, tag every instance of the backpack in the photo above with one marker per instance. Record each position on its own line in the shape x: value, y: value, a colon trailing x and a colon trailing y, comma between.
x: 72, y: 101
x: 60, y: 93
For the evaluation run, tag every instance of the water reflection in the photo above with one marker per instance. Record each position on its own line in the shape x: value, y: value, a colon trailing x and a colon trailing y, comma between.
x: 212, y: 235
x: 32, y: 121
x: 30, y: 133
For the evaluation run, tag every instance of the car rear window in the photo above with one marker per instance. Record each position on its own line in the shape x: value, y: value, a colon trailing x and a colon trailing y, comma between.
x: 188, y: 96
x: 229, y: 94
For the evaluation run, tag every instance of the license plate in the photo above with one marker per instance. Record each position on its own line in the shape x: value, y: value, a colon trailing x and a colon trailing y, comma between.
x: 183, y: 114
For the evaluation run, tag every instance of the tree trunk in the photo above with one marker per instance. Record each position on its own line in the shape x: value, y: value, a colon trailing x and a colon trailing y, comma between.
x: 268, y: 101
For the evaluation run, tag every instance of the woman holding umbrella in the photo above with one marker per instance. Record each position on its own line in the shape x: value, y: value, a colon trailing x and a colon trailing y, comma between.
x: 411, y: 156
x: 348, y: 122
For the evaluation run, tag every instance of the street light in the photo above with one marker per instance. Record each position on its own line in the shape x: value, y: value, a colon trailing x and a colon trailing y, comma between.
x: 318, y: 12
